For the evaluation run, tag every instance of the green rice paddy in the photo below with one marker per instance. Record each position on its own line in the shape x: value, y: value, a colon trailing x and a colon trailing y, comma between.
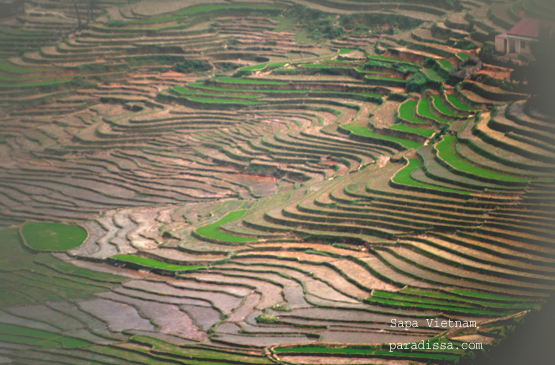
x: 446, y: 151
x: 440, y: 105
x: 404, y: 177
x: 215, y: 7
x: 407, y: 111
x: 212, y: 230
x: 4, y: 66
x: 462, y: 56
x: 53, y: 236
x: 152, y: 263
x: 15, y: 333
x: 223, y: 101
x: 182, y: 90
x: 420, y: 131
x: 446, y: 64
x: 364, y: 131
x: 234, y: 80
x: 346, y: 50
x: 457, y: 103
x: 425, y: 111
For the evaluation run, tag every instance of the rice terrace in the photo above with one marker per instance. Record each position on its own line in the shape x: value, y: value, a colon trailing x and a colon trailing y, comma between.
x: 276, y: 181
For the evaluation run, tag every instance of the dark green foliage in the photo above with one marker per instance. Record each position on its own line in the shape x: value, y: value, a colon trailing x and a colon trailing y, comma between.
x: 455, y: 5
x: 420, y: 82
x: 465, y: 44
x: 320, y: 25
x: 191, y: 66
x: 402, y: 67
x: 369, y: 21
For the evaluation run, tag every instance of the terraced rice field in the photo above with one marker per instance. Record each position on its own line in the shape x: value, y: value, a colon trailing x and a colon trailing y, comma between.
x: 257, y: 183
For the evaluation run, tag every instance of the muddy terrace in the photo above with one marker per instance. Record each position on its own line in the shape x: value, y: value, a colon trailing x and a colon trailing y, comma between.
x: 265, y: 183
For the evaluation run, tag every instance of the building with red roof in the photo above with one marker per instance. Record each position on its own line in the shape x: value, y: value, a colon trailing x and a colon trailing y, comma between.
x: 517, y: 39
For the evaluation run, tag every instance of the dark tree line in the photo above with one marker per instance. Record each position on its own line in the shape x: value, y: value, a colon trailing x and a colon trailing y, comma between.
x: 90, y: 5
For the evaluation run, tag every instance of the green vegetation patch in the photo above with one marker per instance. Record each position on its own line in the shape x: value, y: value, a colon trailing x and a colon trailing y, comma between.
x: 14, y: 333
x: 266, y: 319
x: 53, y: 236
x: 182, y: 90
x: 407, y: 111
x: 215, y: 7
x: 446, y: 151
x: 440, y: 105
x: 370, y: 350
x: 216, y: 88
x: 425, y: 111
x: 446, y: 64
x: 420, y: 131
x: 4, y: 66
x: 38, y: 83
x: 346, y: 50
x: 212, y: 230
x: 254, y: 67
x: 458, y: 103
x: 234, y: 80
x: 152, y: 263
x: 364, y: 131
x: 224, y: 101
x: 462, y: 56
x: 404, y: 177
x: 474, y: 294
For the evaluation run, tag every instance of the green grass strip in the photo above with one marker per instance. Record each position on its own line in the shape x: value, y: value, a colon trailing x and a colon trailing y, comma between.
x: 407, y: 304
x: 249, y: 81
x: 420, y: 131
x: 16, y: 333
x: 148, y: 262
x: 215, y: 7
x: 217, y: 88
x: 446, y: 151
x: 224, y: 101
x: 438, y: 102
x: 474, y: 294
x: 458, y: 103
x: 276, y: 65
x: 318, y: 65
x: 385, y: 78
x: 388, y: 59
x: 462, y: 56
x: 53, y: 236
x: 182, y: 90
x: 212, y: 230
x: 407, y: 111
x: 254, y: 67
x: 365, y: 351
x: 38, y: 83
x: 404, y: 177
x: 452, y: 299
x: 9, y: 68
x: 346, y: 50
x: 425, y: 111
x: 29, y: 340
x: 364, y: 131
x: 446, y: 64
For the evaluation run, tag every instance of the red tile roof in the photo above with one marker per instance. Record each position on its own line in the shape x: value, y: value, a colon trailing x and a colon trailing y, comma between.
x: 530, y: 27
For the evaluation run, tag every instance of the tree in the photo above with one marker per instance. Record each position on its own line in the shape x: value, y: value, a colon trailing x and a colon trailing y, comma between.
x: 78, y: 16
